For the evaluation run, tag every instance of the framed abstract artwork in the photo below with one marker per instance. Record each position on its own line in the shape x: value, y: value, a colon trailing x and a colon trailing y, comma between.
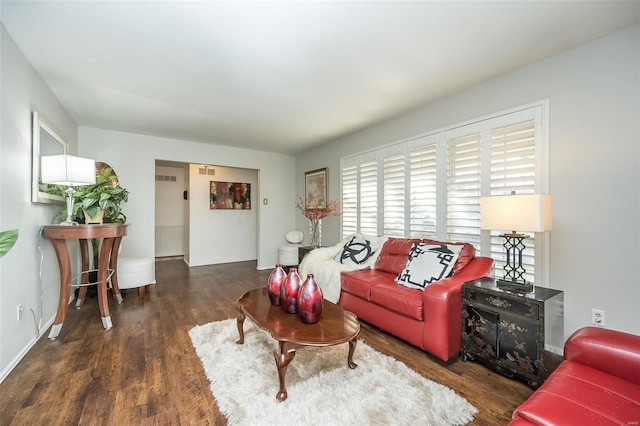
x: 315, y: 189
x: 229, y: 195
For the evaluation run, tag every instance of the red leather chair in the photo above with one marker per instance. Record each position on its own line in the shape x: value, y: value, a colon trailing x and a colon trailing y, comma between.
x: 597, y: 383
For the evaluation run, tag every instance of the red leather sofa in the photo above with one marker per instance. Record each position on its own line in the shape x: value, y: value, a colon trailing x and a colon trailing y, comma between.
x: 597, y: 383
x: 429, y: 319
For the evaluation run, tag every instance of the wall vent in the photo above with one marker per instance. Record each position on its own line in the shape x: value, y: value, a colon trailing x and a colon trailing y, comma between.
x: 165, y: 178
x: 206, y: 171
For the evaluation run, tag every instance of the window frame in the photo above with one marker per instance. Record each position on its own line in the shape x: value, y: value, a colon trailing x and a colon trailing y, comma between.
x: 536, y: 111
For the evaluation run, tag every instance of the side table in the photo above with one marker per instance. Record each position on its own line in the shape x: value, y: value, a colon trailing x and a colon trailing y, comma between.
x: 508, y: 331
x: 111, y: 234
x: 302, y: 252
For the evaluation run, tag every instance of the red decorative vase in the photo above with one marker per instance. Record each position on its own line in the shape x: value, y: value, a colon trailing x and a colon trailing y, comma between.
x: 310, y: 301
x: 290, y: 290
x: 276, y: 279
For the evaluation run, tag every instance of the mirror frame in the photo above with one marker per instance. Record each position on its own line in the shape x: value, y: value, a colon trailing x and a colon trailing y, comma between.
x: 51, y: 145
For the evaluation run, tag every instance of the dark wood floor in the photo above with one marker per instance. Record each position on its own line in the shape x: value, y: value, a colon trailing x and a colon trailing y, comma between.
x: 144, y: 371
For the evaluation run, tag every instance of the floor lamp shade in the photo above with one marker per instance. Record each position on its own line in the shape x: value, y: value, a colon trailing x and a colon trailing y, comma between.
x: 67, y: 170
x: 531, y: 213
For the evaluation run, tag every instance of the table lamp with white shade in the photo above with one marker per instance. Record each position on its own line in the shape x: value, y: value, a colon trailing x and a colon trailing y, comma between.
x: 530, y: 213
x: 68, y: 170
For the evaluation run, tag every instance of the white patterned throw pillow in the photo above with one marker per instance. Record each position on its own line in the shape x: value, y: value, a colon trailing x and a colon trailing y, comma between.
x: 428, y: 263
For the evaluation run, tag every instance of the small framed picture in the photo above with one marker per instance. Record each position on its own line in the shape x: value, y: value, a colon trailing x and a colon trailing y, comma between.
x: 315, y: 189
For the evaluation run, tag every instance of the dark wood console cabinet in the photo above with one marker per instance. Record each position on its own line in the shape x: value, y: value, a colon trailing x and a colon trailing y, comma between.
x: 513, y: 333
x: 302, y: 252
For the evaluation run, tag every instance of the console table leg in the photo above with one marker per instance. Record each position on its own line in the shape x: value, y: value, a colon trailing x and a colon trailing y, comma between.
x: 103, y: 265
x: 352, y: 349
x: 84, y: 277
x: 113, y: 265
x: 106, y: 323
x: 283, y: 359
x: 64, y: 263
x: 55, y: 330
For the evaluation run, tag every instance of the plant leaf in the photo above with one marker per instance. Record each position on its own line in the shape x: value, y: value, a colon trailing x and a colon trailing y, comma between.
x: 7, y: 240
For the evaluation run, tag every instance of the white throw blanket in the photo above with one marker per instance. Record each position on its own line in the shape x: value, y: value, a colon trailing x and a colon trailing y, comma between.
x: 326, y: 271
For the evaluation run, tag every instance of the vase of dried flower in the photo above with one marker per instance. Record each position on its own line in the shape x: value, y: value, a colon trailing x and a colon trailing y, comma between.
x: 315, y: 232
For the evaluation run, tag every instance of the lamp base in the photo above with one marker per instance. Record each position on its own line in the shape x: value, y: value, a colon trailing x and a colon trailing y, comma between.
x: 69, y: 222
x: 518, y: 286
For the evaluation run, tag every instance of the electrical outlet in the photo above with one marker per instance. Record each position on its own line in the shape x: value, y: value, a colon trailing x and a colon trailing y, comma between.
x: 597, y: 317
x: 19, y: 309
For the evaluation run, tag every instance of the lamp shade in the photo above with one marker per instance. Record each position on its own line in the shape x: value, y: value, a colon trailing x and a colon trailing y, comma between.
x: 67, y: 170
x: 531, y: 213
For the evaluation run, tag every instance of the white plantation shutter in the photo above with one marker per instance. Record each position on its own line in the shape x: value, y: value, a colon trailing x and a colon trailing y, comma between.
x: 513, y: 168
x: 369, y: 197
x: 464, y: 189
x: 423, y: 192
x: 513, y: 159
x: 393, y: 170
x: 349, y: 215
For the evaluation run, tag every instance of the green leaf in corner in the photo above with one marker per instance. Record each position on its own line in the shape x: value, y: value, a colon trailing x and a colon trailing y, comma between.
x: 7, y: 240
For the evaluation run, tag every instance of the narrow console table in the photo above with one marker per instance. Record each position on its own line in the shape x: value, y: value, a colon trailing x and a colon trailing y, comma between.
x: 111, y: 235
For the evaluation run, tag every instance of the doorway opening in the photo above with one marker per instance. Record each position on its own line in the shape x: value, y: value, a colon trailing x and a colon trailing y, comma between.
x: 188, y: 224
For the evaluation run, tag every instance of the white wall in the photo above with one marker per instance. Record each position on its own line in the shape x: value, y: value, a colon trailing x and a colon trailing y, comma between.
x: 170, y: 211
x: 221, y: 236
x: 594, y: 95
x: 133, y: 157
x: 23, y: 91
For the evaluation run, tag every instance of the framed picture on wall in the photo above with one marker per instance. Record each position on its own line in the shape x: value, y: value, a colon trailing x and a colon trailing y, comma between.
x: 315, y: 189
x: 229, y: 195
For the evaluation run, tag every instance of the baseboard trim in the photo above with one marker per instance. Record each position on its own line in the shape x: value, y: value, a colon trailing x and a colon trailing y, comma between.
x: 25, y: 350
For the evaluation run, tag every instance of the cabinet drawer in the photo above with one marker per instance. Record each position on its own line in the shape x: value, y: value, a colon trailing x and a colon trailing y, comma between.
x: 512, y: 305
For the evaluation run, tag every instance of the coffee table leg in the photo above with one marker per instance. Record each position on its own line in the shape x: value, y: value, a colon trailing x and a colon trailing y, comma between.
x: 282, y: 362
x: 352, y: 349
x: 240, y: 321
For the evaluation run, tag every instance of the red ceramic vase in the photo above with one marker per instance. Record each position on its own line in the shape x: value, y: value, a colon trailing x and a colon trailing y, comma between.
x: 290, y: 290
x: 310, y: 301
x: 276, y: 279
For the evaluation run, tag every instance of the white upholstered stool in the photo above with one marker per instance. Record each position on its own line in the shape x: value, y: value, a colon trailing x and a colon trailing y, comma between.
x: 135, y: 272
x: 288, y: 254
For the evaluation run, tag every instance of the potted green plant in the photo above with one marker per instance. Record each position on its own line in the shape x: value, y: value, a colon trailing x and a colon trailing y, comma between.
x: 106, y: 196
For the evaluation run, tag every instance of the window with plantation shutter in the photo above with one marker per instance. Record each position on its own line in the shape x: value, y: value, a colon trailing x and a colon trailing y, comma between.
x: 513, y: 169
x: 368, y: 197
x: 359, y: 181
x: 393, y: 175
x: 349, y: 217
x: 464, y: 189
x: 430, y: 186
x: 423, y: 201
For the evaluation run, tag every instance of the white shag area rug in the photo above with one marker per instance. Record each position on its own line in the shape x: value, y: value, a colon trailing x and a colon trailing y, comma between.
x: 321, y: 389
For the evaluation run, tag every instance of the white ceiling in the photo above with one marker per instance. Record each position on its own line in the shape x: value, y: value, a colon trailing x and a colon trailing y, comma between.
x: 284, y: 76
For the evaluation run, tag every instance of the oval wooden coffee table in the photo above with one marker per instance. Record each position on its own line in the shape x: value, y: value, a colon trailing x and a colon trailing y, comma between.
x: 335, y: 326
